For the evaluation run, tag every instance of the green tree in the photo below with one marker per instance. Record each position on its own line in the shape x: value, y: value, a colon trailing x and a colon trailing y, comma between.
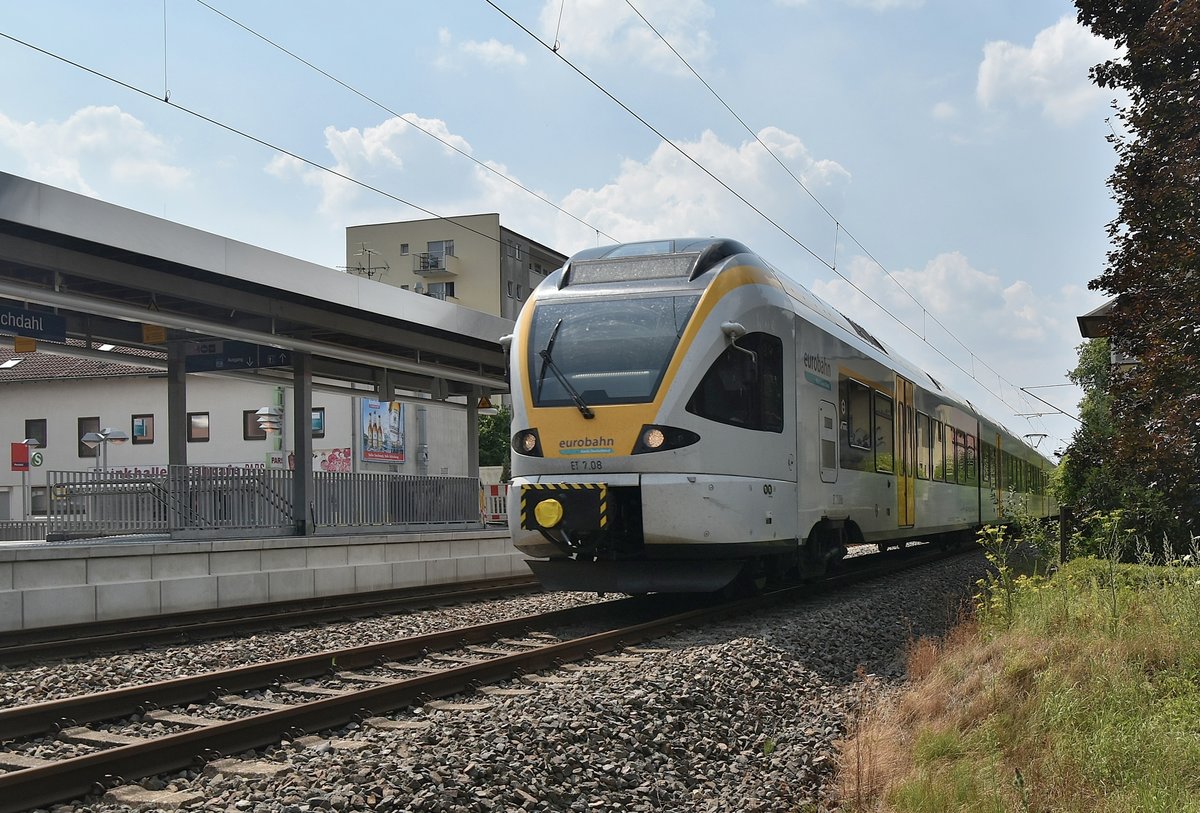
x: 494, y: 437
x: 1153, y: 270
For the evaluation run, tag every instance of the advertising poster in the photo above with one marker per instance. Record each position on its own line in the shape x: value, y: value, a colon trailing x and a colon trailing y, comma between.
x: 322, y: 460
x: 382, y: 438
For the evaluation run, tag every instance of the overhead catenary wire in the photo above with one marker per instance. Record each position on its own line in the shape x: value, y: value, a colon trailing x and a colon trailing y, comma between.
x: 839, y: 227
x: 557, y: 51
x: 248, y: 136
x: 410, y: 123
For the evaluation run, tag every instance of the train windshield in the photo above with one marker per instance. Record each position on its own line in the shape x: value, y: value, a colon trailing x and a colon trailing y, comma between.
x: 604, y: 351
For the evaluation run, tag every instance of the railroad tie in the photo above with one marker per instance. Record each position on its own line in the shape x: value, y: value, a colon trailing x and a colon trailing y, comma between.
x: 89, y: 736
x: 246, y: 702
x: 20, y: 762
x: 178, y: 719
x: 138, y: 797
x: 300, y: 688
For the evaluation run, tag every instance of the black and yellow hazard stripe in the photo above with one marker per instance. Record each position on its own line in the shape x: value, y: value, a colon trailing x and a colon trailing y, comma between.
x: 534, y: 493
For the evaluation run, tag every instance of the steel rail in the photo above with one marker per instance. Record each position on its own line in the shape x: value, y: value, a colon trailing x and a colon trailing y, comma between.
x: 74, y: 777
x: 80, y: 639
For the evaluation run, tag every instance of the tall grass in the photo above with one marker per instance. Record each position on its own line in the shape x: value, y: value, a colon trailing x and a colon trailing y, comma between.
x: 1076, y: 692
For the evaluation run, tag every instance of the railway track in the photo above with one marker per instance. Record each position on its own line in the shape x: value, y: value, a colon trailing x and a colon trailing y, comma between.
x: 177, y: 723
x: 77, y: 640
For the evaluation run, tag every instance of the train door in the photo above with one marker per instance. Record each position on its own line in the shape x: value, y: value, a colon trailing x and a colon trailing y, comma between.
x: 906, y: 457
x: 828, y: 421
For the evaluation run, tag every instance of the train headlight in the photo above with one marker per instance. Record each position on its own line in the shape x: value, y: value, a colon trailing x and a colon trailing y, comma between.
x: 526, y: 442
x: 654, y: 438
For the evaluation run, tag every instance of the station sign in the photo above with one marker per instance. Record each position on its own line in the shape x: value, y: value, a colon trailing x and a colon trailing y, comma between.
x: 220, y: 354
x: 20, y: 457
x: 36, y: 324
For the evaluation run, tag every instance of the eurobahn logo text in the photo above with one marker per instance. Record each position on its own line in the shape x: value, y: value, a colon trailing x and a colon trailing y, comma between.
x: 586, y: 446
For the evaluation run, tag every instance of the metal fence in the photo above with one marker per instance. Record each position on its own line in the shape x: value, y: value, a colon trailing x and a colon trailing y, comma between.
x: 16, y: 530
x: 207, y: 501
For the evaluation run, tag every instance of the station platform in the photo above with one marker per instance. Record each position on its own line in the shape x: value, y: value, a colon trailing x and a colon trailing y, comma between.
x: 46, y: 584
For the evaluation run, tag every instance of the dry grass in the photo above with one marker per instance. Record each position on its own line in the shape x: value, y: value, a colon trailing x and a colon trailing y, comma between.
x: 1100, y: 714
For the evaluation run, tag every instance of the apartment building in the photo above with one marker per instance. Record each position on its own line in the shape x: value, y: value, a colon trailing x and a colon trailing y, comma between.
x: 470, y: 260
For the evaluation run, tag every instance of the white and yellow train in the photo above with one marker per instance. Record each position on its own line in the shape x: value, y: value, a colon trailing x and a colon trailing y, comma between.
x: 685, y: 416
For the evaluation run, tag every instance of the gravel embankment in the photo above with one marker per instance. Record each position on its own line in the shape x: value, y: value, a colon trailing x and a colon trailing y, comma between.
x: 740, y: 716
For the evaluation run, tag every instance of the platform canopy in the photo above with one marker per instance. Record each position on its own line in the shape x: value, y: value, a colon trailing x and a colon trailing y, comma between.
x: 105, y: 274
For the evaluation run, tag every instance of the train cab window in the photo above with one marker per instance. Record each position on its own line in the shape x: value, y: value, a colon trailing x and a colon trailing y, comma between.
x: 939, y: 451
x: 610, y: 350
x: 744, y: 386
x: 924, y: 445
x: 884, y: 439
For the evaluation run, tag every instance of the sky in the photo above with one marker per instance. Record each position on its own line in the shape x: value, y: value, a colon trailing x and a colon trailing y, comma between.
x: 935, y: 169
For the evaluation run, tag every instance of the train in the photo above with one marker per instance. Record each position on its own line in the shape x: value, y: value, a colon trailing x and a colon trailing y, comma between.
x: 686, y: 417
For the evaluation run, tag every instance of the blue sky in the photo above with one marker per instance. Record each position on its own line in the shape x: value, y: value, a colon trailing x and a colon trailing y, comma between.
x: 957, y: 141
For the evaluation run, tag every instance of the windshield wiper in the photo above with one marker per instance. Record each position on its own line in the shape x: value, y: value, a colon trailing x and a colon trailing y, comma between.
x: 548, y: 364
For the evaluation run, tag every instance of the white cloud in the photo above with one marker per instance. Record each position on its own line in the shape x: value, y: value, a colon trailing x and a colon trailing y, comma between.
x: 611, y: 31
x: 668, y: 195
x: 1024, y: 335
x: 93, y: 143
x: 494, y: 53
x: 944, y: 111
x: 368, y: 155
x: 1051, y: 74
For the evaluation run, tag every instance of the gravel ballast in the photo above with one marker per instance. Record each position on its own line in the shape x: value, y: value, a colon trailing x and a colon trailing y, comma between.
x: 739, y: 716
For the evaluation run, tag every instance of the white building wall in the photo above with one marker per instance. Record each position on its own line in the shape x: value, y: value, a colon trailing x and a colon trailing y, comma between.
x: 115, y: 401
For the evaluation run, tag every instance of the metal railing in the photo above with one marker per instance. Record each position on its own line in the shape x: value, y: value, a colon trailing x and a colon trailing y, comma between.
x: 16, y: 530
x: 343, y: 499
x: 207, y: 501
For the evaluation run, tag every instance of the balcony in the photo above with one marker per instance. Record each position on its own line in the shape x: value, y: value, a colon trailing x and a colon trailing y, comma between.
x: 435, y: 265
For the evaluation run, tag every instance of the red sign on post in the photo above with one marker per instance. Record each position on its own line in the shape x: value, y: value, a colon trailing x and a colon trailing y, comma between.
x: 20, y: 457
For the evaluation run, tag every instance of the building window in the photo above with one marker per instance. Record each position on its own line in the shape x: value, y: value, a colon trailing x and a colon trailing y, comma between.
x: 197, y: 427
x: 250, y: 428
x: 85, y: 425
x: 510, y: 289
x: 403, y: 249
x: 441, y: 248
x: 36, y: 428
x: 519, y: 293
x: 39, y: 501
x: 441, y: 290
x: 142, y: 429
x: 318, y: 422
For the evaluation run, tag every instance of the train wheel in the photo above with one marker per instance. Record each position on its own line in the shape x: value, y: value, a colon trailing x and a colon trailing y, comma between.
x: 825, y: 545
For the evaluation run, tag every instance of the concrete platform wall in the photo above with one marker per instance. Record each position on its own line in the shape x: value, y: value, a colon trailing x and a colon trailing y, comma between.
x: 46, y: 585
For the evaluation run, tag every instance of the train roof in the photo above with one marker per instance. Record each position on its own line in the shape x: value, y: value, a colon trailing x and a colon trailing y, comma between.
x: 686, y: 259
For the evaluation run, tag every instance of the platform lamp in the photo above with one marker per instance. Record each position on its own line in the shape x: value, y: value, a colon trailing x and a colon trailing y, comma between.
x: 26, y: 494
x: 102, y: 439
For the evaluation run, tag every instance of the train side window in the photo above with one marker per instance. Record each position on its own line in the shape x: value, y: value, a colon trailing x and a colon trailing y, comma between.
x: 924, y: 445
x: 971, y: 469
x: 858, y: 415
x: 744, y: 389
x: 939, y: 452
x: 960, y: 456
x: 952, y: 455
x: 884, y: 437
